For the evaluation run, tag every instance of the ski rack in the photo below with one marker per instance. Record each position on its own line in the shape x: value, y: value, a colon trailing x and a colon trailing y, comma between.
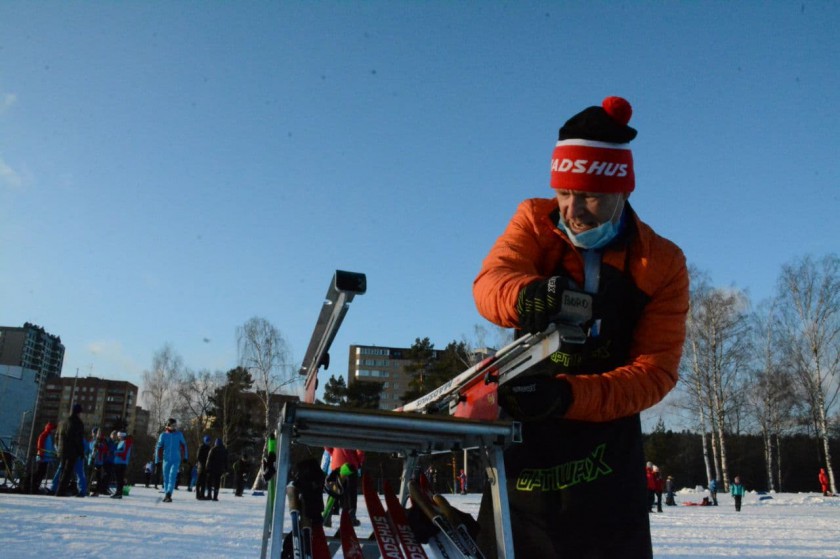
x: 408, y: 435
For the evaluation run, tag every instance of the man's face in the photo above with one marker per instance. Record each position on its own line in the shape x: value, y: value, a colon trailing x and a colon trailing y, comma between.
x: 582, y: 211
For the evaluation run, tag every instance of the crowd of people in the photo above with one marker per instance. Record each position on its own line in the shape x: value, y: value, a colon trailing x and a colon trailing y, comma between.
x: 87, y: 466
x: 94, y: 464
x: 656, y: 486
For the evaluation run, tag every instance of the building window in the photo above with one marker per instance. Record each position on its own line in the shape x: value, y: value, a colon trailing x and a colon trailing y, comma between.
x: 373, y: 351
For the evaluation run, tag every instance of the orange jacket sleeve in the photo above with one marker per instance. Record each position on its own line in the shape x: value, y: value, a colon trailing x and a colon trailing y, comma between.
x: 533, y: 248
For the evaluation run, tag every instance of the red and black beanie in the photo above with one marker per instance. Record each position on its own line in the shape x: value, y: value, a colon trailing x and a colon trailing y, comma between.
x: 593, y: 153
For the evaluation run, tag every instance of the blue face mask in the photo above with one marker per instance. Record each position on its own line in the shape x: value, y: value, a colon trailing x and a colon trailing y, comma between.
x: 597, y: 237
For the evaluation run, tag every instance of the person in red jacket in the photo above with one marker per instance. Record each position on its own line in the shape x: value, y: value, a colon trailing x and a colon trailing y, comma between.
x: 824, y: 482
x: 45, y: 455
x: 658, y: 486
x: 347, y: 464
x: 585, y: 258
x: 650, y: 481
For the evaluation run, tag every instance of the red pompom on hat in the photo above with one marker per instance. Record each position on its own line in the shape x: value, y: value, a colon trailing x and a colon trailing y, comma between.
x: 618, y: 108
x: 592, y: 153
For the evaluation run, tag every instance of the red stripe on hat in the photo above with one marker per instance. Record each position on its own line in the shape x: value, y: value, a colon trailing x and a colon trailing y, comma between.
x: 592, y: 167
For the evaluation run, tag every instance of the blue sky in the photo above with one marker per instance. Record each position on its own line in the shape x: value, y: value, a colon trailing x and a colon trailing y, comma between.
x: 169, y: 170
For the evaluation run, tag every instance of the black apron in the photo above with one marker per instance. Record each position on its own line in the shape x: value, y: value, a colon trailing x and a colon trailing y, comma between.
x: 578, y: 489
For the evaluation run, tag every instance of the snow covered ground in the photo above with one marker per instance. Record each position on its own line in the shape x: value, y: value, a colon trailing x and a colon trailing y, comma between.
x: 804, y: 525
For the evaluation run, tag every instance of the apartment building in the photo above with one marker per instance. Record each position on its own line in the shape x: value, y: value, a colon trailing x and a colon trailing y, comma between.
x: 110, y: 404
x: 31, y: 347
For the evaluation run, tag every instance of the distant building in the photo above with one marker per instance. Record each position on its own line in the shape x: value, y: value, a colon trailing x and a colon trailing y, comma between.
x: 109, y: 404
x: 387, y: 365
x: 141, y: 421
x: 18, y: 392
x: 31, y: 347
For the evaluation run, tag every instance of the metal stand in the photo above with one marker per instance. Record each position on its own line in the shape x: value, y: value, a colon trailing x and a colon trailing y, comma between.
x: 408, y: 435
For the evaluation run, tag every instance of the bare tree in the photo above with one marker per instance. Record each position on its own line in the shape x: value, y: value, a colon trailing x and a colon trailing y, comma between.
x: 716, y: 355
x: 773, y: 395
x: 263, y: 352
x: 160, y: 386
x: 195, y: 393
x: 695, y: 386
x: 228, y: 405
x: 809, y: 295
x: 490, y: 336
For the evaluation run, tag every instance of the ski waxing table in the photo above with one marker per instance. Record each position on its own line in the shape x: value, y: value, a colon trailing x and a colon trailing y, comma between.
x: 407, y: 434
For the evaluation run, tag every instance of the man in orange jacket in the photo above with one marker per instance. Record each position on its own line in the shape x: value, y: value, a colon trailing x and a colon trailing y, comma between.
x: 576, y: 484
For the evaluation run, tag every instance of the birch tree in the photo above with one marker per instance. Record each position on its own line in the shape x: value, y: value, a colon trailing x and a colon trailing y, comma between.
x: 694, y: 377
x: 772, y: 398
x: 160, y: 386
x: 809, y: 295
x: 263, y: 352
x: 715, y: 361
x: 195, y: 394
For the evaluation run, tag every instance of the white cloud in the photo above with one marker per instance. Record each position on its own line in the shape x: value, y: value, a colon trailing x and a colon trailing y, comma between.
x: 6, y: 101
x: 8, y: 176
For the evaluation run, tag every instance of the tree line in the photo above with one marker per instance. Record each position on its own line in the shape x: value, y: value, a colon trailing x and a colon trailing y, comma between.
x: 769, y: 370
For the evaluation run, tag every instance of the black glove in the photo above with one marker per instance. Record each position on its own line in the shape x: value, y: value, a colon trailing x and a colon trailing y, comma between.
x: 539, y: 301
x: 421, y: 525
x: 535, y: 398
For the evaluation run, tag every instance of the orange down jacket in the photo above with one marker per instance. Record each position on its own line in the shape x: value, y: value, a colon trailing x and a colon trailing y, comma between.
x: 533, y: 248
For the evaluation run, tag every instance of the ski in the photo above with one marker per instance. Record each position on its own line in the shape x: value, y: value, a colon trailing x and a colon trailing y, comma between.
x: 384, y: 532
x: 427, y: 505
x: 441, y: 546
x: 454, y: 518
x: 396, y: 513
x: 320, y: 548
x: 350, y: 545
x: 472, y: 393
x: 450, y: 512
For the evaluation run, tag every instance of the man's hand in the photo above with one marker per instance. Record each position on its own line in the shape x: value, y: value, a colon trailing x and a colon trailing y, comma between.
x: 535, y: 398
x: 538, y: 302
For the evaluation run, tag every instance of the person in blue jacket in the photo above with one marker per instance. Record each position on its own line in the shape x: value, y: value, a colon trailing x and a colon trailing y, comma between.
x: 122, y: 454
x: 713, y: 490
x: 170, y: 450
x: 737, y: 491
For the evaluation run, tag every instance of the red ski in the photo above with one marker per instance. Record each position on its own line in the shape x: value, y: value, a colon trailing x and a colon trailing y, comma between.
x: 411, y: 547
x: 320, y: 548
x: 384, y: 532
x: 350, y: 545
